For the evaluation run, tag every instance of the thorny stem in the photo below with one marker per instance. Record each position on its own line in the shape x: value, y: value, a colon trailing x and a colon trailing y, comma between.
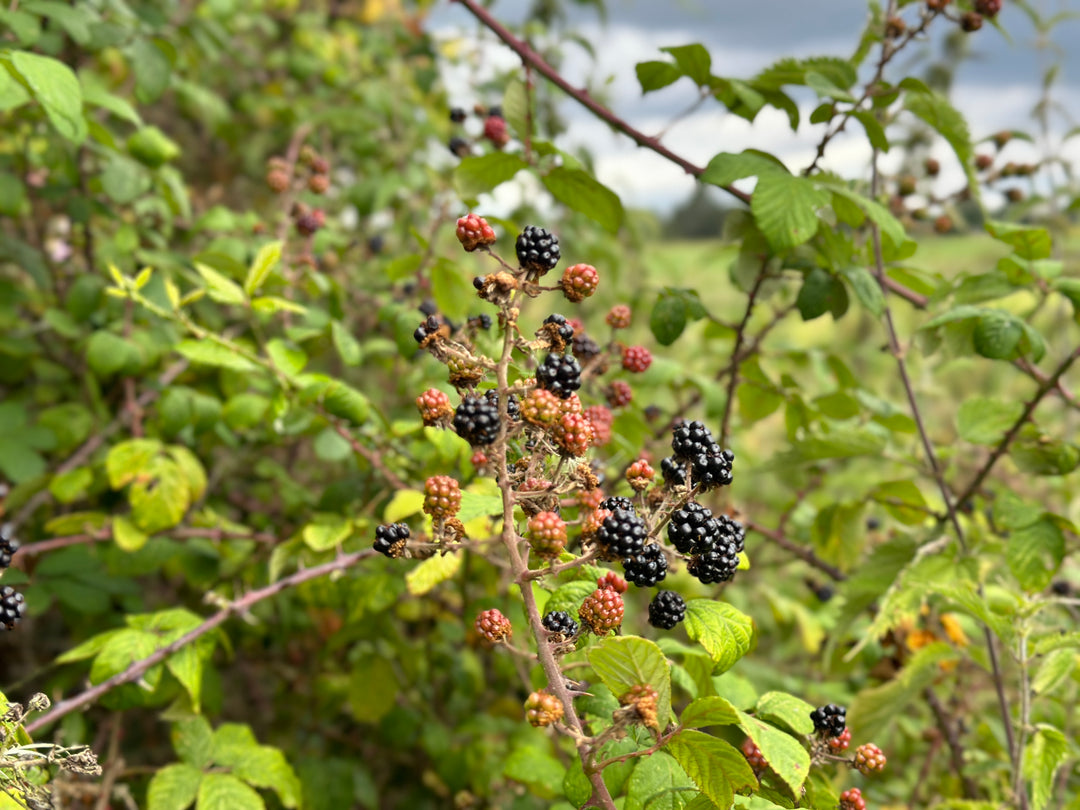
x: 139, y: 668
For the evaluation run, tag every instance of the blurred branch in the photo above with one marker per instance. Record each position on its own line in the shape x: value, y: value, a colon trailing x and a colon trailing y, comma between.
x: 802, y: 552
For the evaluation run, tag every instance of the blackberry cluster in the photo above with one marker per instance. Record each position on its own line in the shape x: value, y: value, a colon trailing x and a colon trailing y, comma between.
x: 666, y: 610
x: 646, y: 568
x: 734, y: 530
x: 477, y: 421
x: 8, y: 545
x: 390, y: 539
x: 12, y: 607
x: 718, y: 563
x: 560, y: 623
x: 537, y: 250
x: 617, y: 502
x: 566, y: 331
x: 481, y: 321
x: 622, y: 535
x: 560, y: 374
x: 829, y: 721
x: 674, y: 471
x: 692, y: 529
x: 427, y: 328
x: 513, y: 409
x: 692, y: 442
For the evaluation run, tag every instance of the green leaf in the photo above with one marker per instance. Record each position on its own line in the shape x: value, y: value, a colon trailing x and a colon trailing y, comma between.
x: 786, y: 710
x: 152, y: 147
x: 668, y: 319
x: 1054, y: 670
x: 723, y: 631
x: 219, y: 791
x: 537, y: 768
x: 1028, y: 242
x: 54, y: 86
x: 347, y: 346
x: 150, y: 68
x: 569, y: 597
x: 220, y: 287
x: 373, y: 686
x: 717, y: 768
x: 479, y: 504
x: 515, y: 106
x: 477, y: 175
x: 821, y: 292
x: 108, y: 354
x: 725, y: 168
x: 130, y: 459
x: 785, y: 208
x: 875, y: 132
x: 405, y: 503
x: 785, y: 755
x: 126, y: 535
x: 867, y: 289
x: 69, y: 486
x: 658, y: 783
x: 1039, y: 454
x: 1034, y: 554
x: 709, y: 711
x: 625, y: 661
x: 186, y: 666
x: 656, y: 75
x: 208, y: 353
x: 160, y: 497
x: 338, y: 399
x: 264, y: 263
x: 879, y: 706
x: 173, y: 787
x: 580, y: 191
x: 432, y: 572
x: 903, y: 500
x: 287, y: 357
x: 326, y: 536
x: 693, y: 61
x: 982, y: 420
x: 946, y: 120
x: 262, y: 766
x: 1043, y: 755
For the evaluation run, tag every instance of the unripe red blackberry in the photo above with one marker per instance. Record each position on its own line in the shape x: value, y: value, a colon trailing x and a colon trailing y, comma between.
x: 618, y: 317
x: 573, y: 434
x: 473, y: 231
x: 601, y: 612
x: 754, y: 758
x: 318, y: 183
x: 592, y: 522
x: 943, y: 224
x: 643, y: 699
x: 543, y: 709
x: 639, y: 475
x: 602, y: 420
x: 495, y: 131
x: 619, y: 394
x: 479, y: 459
x: 988, y: 8
x: 541, y: 408
x: 852, y: 800
x: 434, y: 406
x: 493, y: 626
x: 971, y: 21
x: 613, y: 582
x: 932, y: 167
x: 590, y: 499
x: 579, y: 281
x: 1001, y: 138
x: 666, y: 610
x: 572, y: 404
x: 310, y: 222
x: 1014, y: 195
x: 840, y: 743
x: 937, y: 5
x: 869, y: 759
x: 547, y: 535
x: 983, y: 162
x: 895, y: 27
x: 537, y: 250
x: 636, y: 359
x: 442, y: 496
x: 278, y: 180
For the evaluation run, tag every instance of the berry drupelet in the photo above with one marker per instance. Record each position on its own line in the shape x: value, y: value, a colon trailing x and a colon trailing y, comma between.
x: 830, y: 720
x: 622, y: 534
x: 647, y: 567
x: 560, y: 374
x: 754, y: 758
x: 561, y: 624
x: 390, y: 539
x: 13, y: 607
x: 666, y: 610
x: 477, y: 421
x: 537, y: 250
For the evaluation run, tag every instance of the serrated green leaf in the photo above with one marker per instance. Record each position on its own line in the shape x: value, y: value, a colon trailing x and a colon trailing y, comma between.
x: 693, y: 61
x: 405, y: 503
x: 946, y: 120
x: 126, y: 535
x: 173, y: 787
x: 1036, y: 453
x: 1029, y: 242
x: 483, y: 173
x: 219, y: 791
x: 867, y: 289
x: 348, y: 347
x: 432, y: 572
x: 785, y: 208
x: 128, y: 460
x: 658, y: 782
x: 879, y: 706
x: 725, y: 168
x: 780, y: 708
x: 477, y: 504
x: 655, y: 75
x: 326, y: 536
x: 535, y: 767
x: 982, y: 420
x: 1034, y: 554
x: 1054, y: 669
x: 580, y: 191
x: 717, y: 768
x: 903, y: 500
x: 1043, y: 755
x: 515, y: 103
x: 569, y: 597
x: 723, y: 631
x: 785, y: 755
x: 186, y: 665
x: 160, y: 497
x: 625, y: 661
x: 709, y: 711
x: 261, y: 766
x: 56, y: 88
x: 220, y: 287
x: 338, y: 399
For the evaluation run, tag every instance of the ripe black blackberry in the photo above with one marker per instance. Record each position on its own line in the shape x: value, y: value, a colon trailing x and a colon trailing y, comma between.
x: 674, y: 471
x: 513, y: 408
x: 537, y: 250
x: 688, y: 439
x: 390, y: 539
x: 733, y: 529
x: 621, y: 535
x: 692, y: 529
x: 560, y: 623
x: 566, y: 331
x: 614, y: 502
x: 12, y: 607
x: 713, y: 469
x: 717, y: 564
x: 457, y: 115
x: 830, y: 720
x: 482, y: 321
x: 428, y: 327
x: 8, y: 545
x: 476, y: 420
x: 584, y: 347
x: 560, y: 374
x: 459, y: 146
x: 646, y: 568
x: 666, y: 610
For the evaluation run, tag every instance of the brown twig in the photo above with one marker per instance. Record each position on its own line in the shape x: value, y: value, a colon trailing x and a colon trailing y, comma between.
x: 800, y: 551
x: 139, y: 668
x: 44, y: 546
x: 736, y: 359
x: 952, y: 737
x: 372, y: 457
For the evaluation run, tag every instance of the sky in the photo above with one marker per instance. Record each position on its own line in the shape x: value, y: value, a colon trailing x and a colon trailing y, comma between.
x: 995, y: 89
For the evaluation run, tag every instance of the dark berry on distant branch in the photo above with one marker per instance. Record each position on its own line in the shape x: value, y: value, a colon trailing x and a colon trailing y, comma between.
x: 13, y: 607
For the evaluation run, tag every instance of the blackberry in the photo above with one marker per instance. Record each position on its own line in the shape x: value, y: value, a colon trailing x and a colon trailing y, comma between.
x: 442, y: 497
x: 734, y: 530
x: 618, y: 317
x: 830, y: 720
x: 988, y: 8
x: 8, y: 545
x: 639, y: 475
x: 642, y: 699
x: 560, y: 623
x: 617, y: 502
x: 543, y: 709
x: 560, y: 374
x: 473, y: 231
x: 457, y: 115
x: 579, y: 281
x: 717, y: 564
x: 636, y: 359
x: 428, y: 308
x: 852, y: 799
x: 693, y: 443
x: 622, y: 534
x: 869, y: 759
x: 754, y: 758
x: 426, y: 329
x: 689, y: 439
x: 376, y: 244
x: 496, y: 110
x: 493, y: 626
x: 482, y: 321
x: 584, y: 347
x: 647, y: 568
x: 566, y: 331
x: 837, y: 744
x: 12, y: 607
x: 666, y: 610
x: 537, y: 250
x: 619, y: 394
x: 390, y: 539
x: 459, y: 146
x: 513, y: 409
x: 547, y: 535
x: 692, y: 529
x: 477, y: 421
x: 573, y: 433
x: 602, y: 420
x: 612, y: 582
x: 602, y: 611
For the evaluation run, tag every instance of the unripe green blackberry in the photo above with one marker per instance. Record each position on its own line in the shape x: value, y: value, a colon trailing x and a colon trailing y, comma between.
x: 434, y: 406
x: 666, y: 610
x: 473, y: 232
x: 442, y: 496
x: 643, y: 699
x: 547, y: 535
x: 12, y: 607
x: 390, y: 539
x: 477, y: 421
x: 573, y: 434
x: 579, y: 281
x: 541, y: 408
x: 493, y: 626
x: 537, y: 250
x: 560, y: 374
x: 543, y: 709
x: 618, y: 317
x: 619, y: 394
x: 852, y: 799
x: 622, y: 535
x: 560, y: 625
x: 612, y: 581
x: 601, y: 612
x: 869, y: 759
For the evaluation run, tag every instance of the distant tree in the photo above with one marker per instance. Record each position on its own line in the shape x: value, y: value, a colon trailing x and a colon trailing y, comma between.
x: 700, y: 217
